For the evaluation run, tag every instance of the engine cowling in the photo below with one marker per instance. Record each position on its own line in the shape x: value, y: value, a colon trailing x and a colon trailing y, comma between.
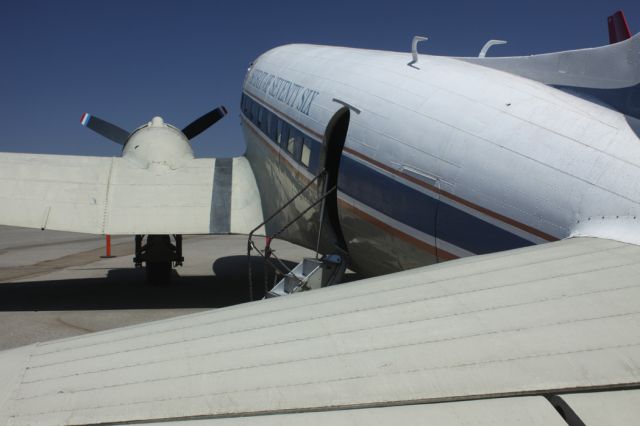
x: 158, y: 144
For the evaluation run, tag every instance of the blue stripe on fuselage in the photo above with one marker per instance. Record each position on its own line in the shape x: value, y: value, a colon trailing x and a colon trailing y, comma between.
x: 409, y: 206
x: 386, y: 195
x: 418, y: 210
x: 473, y: 234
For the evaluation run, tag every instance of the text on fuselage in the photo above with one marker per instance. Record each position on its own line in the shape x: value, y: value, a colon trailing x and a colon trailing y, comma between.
x: 285, y: 91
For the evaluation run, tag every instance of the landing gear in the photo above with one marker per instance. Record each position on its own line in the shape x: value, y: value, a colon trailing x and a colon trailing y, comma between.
x: 159, y: 254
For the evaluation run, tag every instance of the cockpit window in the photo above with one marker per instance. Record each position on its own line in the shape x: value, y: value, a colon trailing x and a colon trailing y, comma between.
x: 246, y: 104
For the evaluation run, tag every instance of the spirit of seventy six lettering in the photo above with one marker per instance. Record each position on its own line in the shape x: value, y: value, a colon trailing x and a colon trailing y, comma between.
x: 283, y: 90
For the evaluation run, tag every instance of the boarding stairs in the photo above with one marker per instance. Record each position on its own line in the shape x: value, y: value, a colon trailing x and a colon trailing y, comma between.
x: 310, y: 274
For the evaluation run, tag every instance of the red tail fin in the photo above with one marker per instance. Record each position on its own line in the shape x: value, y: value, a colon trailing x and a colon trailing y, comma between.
x: 618, y: 28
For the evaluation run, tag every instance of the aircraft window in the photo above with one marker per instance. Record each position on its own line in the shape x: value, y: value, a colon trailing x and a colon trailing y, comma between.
x: 260, y: 120
x: 247, y: 106
x: 285, y: 133
x: 266, y: 119
x: 273, y: 126
x: 254, y: 111
x: 294, y: 143
x: 306, y: 153
x: 291, y: 142
x: 298, y: 147
x: 279, y: 132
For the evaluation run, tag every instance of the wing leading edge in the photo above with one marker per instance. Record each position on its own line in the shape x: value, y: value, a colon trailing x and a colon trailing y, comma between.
x: 113, y: 196
x: 503, y: 338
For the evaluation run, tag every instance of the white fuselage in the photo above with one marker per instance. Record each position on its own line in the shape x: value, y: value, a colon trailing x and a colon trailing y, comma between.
x: 443, y: 159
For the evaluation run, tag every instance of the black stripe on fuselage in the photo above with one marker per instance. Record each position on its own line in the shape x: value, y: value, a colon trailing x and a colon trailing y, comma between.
x: 220, y: 219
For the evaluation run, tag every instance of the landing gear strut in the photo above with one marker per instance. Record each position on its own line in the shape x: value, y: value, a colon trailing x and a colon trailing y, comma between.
x: 159, y: 254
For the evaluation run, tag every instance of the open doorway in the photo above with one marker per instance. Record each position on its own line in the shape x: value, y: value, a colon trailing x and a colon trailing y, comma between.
x: 334, y: 139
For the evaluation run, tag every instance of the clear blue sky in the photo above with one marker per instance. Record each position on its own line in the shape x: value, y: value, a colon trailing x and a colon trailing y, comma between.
x: 126, y: 61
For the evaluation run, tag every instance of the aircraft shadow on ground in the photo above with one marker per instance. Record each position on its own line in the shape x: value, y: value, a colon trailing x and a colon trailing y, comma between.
x: 127, y: 289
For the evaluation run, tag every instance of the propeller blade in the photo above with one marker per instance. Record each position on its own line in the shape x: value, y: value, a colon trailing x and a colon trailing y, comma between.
x: 203, y: 123
x: 104, y: 128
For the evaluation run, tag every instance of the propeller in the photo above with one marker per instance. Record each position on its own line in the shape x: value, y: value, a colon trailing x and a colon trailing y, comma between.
x: 104, y: 128
x: 203, y: 123
x: 119, y: 135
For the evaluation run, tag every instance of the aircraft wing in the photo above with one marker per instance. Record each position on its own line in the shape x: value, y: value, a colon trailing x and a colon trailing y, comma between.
x: 100, y: 195
x: 503, y: 338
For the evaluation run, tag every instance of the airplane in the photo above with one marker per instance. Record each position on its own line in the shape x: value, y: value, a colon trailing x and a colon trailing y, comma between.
x: 389, y: 162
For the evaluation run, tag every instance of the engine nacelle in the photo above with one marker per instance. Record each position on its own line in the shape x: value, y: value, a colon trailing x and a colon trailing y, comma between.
x: 158, y: 144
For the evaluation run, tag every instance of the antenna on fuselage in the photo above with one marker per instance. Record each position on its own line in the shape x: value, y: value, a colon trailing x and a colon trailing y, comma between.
x: 414, y: 49
x: 487, y: 46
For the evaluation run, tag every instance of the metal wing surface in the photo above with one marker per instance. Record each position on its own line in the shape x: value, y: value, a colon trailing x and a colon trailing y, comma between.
x: 114, y: 196
x: 493, y: 339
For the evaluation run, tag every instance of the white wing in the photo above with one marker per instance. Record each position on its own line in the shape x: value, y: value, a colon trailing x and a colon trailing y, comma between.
x: 492, y: 339
x: 113, y: 196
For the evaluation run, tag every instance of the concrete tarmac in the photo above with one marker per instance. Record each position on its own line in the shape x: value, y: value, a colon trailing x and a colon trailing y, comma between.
x: 55, y: 284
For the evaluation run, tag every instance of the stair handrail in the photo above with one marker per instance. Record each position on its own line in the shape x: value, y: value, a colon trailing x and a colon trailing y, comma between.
x: 251, y: 245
